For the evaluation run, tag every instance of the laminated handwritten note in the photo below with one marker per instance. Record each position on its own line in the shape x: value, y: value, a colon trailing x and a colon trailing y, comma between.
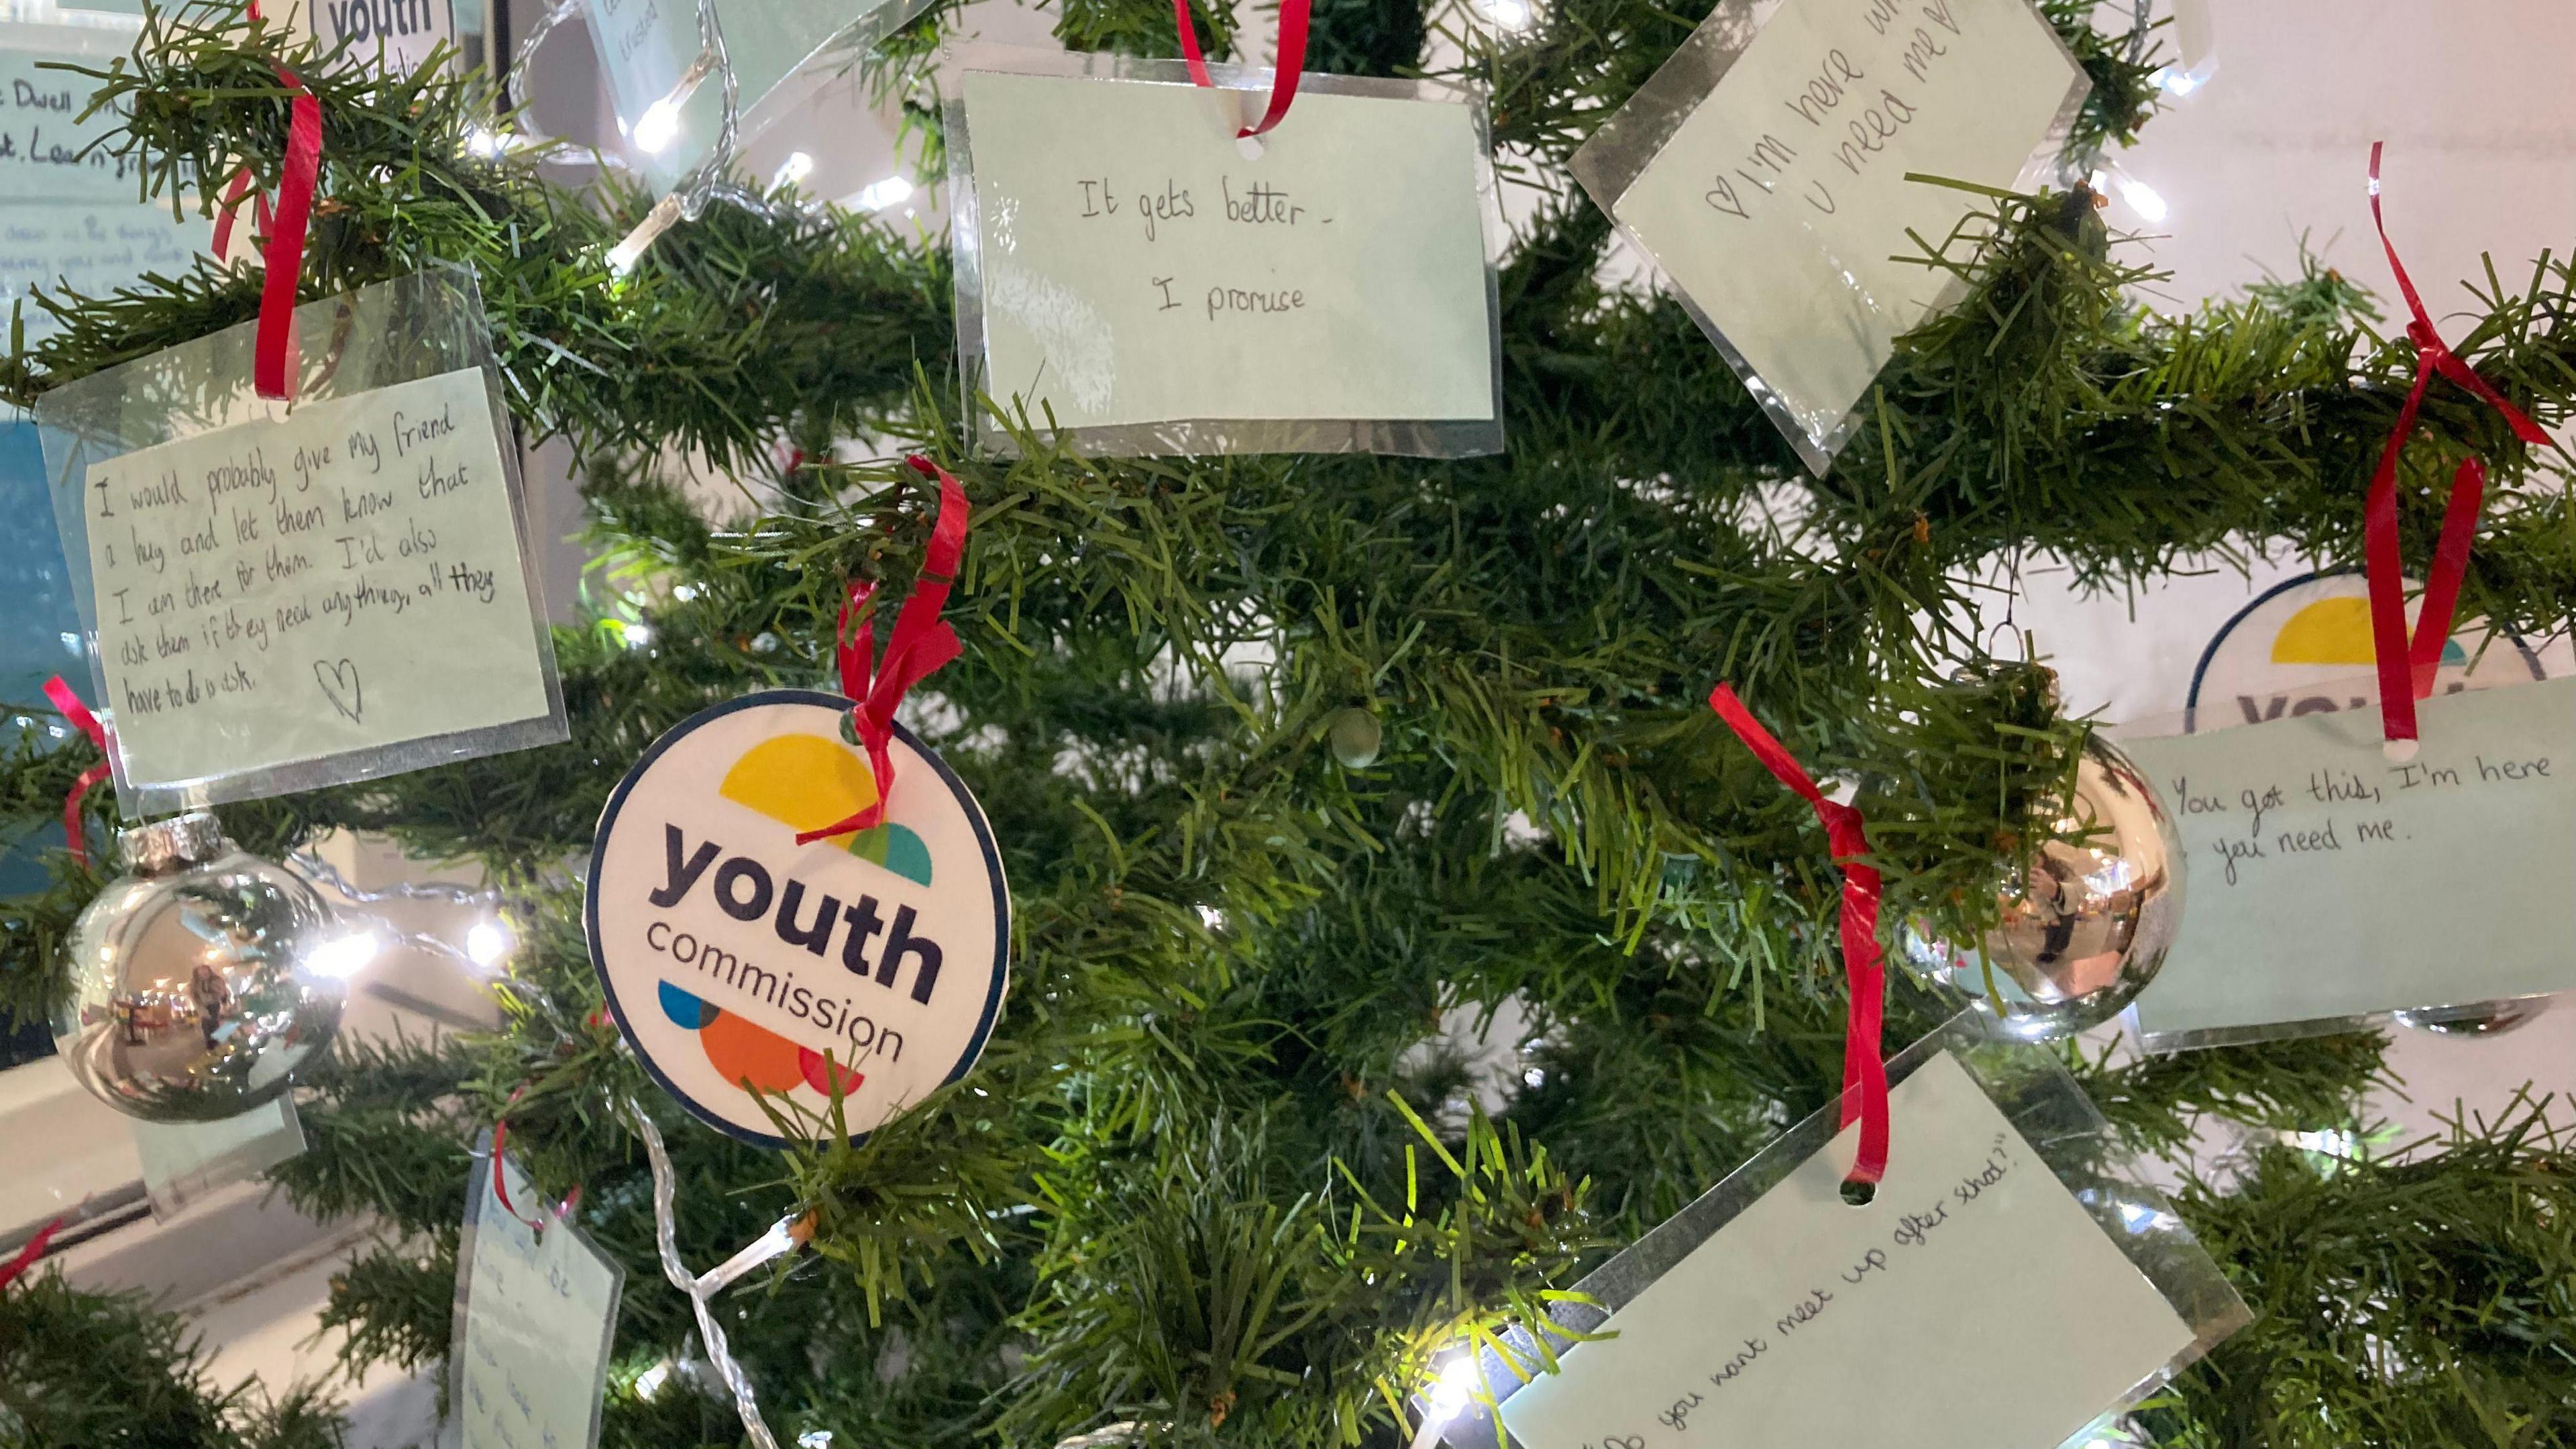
x: 1137, y: 267
x: 187, y: 1163
x: 535, y: 1320
x: 68, y: 214
x: 45, y: 142
x: 1972, y: 1256
x: 2328, y: 882
x: 1764, y: 169
x: 346, y: 577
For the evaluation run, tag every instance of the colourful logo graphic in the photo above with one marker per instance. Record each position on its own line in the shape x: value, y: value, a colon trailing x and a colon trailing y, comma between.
x: 2305, y: 647
x: 2337, y: 631
x: 806, y: 782
x: 754, y: 1056
x: 803, y: 782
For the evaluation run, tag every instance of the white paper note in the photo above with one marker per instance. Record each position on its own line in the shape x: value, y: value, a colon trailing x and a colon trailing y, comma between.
x: 1808, y: 1322
x: 1138, y: 268
x: 1778, y: 205
x: 344, y: 578
x: 44, y: 142
x: 531, y: 1357
x: 2327, y: 882
x: 68, y: 213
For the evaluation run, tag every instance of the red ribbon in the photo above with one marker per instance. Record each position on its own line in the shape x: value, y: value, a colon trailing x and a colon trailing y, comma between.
x: 233, y: 195
x: 1283, y: 81
x: 273, y: 354
x: 921, y: 643
x: 1863, y: 966
x: 501, y: 1180
x: 2406, y: 668
x: 16, y: 1268
x: 273, y: 349
x: 71, y: 708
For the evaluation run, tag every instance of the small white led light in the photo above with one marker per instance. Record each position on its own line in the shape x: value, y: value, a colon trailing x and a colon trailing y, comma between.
x: 2141, y: 197
x: 344, y: 956
x: 1457, y: 1382
x: 658, y: 126
x: 883, y: 195
x: 488, y: 943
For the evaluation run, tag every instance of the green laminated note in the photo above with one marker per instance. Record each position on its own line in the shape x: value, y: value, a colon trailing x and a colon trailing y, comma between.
x: 536, y: 1317
x: 2328, y: 882
x: 69, y: 217
x: 282, y: 597
x: 1972, y: 1254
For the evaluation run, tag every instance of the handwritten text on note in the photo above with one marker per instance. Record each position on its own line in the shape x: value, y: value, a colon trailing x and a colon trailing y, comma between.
x: 2328, y: 881
x: 68, y: 213
x: 1139, y: 268
x: 531, y: 1359
x: 1972, y: 1255
x: 346, y: 577
x: 1779, y: 203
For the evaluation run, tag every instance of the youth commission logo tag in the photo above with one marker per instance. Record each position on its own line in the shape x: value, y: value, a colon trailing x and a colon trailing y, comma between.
x: 2305, y: 647
x: 738, y: 961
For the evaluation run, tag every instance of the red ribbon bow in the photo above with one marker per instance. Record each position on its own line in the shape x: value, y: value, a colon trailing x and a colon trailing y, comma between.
x: 273, y: 350
x: 2406, y: 668
x: 1283, y: 81
x: 921, y: 643
x: 71, y: 708
x: 1863, y: 966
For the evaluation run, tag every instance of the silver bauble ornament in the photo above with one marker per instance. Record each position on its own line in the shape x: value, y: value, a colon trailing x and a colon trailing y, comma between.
x: 1355, y: 736
x: 2086, y: 924
x: 2494, y: 1018
x: 194, y: 988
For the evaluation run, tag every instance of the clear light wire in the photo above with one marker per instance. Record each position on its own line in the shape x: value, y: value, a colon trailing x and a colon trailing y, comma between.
x: 701, y: 1290
x: 314, y: 868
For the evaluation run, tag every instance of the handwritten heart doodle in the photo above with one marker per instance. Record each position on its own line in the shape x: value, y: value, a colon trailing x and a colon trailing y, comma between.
x: 340, y: 685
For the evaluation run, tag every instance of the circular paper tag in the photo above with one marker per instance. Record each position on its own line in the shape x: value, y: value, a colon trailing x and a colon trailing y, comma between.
x: 735, y: 958
x: 2305, y: 647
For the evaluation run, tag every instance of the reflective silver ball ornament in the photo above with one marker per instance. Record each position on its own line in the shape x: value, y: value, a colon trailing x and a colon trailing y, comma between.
x: 2086, y: 924
x: 1356, y: 736
x: 194, y: 993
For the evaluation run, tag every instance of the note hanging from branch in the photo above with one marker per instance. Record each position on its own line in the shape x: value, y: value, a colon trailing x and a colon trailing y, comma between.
x: 74, y: 222
x: 1765, y: 169
x: 278, y: 597
x: 2332, y: 886
x: 535, y: 1318
x: 2006, y: 1231
x: 1138, y: 280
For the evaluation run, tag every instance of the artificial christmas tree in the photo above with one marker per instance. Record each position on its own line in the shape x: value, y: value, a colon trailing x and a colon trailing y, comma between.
x: 1219, y: 1177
